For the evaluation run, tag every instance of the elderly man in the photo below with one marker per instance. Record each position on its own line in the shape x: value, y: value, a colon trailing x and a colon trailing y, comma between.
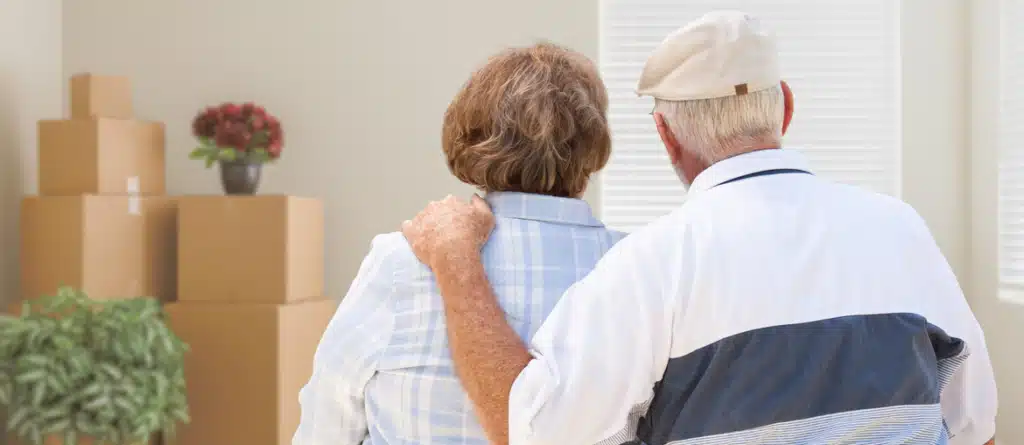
x: 772, y: 307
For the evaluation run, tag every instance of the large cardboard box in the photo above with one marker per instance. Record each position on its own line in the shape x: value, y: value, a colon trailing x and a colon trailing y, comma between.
x: 245, y: 367
x: 100, y: 96
x: 101, y: 156
x: 107, y: 246
x: 252, y: 249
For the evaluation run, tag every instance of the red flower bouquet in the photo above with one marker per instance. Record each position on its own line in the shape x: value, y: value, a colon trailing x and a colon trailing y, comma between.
x: 237, y: 133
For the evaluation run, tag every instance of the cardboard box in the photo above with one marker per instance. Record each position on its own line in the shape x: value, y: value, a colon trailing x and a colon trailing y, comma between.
x: 101, y: 156
x: 252, y: 249
x: 107, y: 246
x: 245, y: 367
x: 100, y: 96
x: 12, y: 308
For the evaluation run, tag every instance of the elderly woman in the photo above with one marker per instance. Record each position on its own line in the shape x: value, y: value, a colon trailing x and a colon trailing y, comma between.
x: 529, y: 129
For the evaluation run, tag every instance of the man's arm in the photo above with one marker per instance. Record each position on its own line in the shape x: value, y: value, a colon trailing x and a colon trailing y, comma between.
x: 487, y: 352
x: 968, y: 399
x: 332, y: 402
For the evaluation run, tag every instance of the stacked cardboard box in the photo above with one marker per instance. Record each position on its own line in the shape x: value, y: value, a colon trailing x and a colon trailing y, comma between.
x: 250, y: 306
x: 100, y: 222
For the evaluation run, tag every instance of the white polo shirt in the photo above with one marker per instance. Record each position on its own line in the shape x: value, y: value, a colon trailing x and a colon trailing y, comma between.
x: 768, y: 309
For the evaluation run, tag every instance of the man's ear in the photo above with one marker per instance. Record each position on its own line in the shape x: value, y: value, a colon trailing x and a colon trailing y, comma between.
x: 787, y: 95
x: 689, y: 164
x: 675, y: 151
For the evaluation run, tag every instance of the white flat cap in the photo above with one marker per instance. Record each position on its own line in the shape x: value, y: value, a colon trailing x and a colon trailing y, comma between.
x: 723, y: 53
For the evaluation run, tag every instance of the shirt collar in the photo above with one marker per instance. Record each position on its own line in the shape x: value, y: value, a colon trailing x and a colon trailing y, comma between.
x: 747, y: 163
x: 542, y: 208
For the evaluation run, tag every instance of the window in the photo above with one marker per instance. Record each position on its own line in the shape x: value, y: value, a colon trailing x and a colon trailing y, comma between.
x: 1011, y: 152
x: 841, y: 57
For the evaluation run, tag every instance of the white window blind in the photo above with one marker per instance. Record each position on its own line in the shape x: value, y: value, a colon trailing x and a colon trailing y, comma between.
x: 841, y: 57
x: 1011, y: 151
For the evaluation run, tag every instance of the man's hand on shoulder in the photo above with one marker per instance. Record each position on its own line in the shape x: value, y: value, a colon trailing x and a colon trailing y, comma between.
x: 449, y: 231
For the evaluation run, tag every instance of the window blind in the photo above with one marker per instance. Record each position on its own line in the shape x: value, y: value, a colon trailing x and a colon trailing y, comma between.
x: 841, y: 57
x: 1011, y: 151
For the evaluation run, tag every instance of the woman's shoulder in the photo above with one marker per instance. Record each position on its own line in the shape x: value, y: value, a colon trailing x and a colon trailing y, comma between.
x: 393, y: 250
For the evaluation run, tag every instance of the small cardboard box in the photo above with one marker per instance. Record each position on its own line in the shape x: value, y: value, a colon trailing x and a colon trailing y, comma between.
x: 101, y: 156
x: 245, y: 367
x: 100, y: 96
x: 251, y: 249
x: 107, y: 246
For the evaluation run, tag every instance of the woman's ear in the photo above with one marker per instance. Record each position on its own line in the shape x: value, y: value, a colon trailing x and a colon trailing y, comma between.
x: 787, y: 117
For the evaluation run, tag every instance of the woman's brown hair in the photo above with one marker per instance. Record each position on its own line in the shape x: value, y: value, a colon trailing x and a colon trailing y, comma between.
x: 531, y: 120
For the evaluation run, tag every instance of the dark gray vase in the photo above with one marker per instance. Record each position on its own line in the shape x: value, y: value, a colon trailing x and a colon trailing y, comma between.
x: 240, y: 177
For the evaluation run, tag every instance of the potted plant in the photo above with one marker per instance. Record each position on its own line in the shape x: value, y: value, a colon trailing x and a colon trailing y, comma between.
x: 240, y: 138
x: 79, y: 371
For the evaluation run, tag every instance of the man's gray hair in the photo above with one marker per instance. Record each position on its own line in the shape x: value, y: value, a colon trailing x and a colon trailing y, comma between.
x: 716, y: 129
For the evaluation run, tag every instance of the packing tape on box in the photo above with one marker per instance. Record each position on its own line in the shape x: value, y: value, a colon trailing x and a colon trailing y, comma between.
x: 131, y: 184
x: 134, y: 205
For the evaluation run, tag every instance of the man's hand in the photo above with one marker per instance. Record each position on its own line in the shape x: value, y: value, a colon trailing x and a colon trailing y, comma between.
x: 450, y: 229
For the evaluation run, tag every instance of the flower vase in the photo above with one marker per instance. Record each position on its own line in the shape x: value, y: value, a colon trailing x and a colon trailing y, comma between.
x: 240, y: 177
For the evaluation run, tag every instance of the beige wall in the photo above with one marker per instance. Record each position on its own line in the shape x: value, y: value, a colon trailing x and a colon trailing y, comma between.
x: 31, y: 88
x: 360, y: 86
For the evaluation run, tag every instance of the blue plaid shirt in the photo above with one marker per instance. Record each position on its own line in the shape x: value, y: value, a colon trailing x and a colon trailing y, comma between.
x: 383, y: 373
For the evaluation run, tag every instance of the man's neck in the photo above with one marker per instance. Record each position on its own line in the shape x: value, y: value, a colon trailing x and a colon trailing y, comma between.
x: 690, y: 174
x: 747, y: 149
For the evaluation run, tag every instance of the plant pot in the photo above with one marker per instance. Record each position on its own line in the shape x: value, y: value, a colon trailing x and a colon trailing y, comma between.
x: 240, y: 177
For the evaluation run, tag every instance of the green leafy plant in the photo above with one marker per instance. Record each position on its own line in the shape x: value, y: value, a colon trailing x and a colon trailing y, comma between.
x: 237, y: 133
x: 77, y: 368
